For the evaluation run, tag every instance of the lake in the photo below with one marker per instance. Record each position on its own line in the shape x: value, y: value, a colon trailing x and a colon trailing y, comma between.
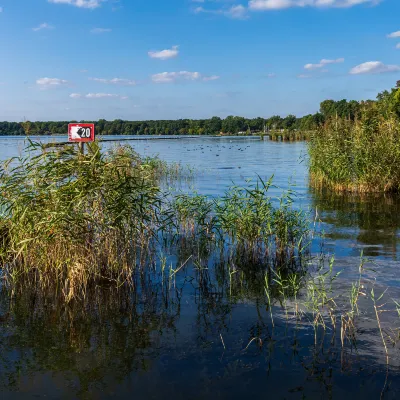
x: 198, y: 341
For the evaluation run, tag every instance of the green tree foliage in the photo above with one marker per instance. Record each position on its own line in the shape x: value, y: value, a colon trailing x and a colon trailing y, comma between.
x: 389, y: 102
x: 341, y: 109
x: 386, y: 105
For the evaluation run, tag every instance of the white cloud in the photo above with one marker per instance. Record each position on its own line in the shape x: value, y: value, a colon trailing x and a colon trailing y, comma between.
x: 373, y: 67
x: 210, y: 78
x: 97, y: 96
x: 100, y: 95
x: 322, y: 63
x: 45, y: 25
x: 100, y: 30
x: 270, y: 4
x: 164, y: 54
x: 91, y: 4
x: 115, y: 81
x: 169, y: 77
x: 266, y: 5
x: 235, y: 12
x: 46, y: 83
x: 394, y: 35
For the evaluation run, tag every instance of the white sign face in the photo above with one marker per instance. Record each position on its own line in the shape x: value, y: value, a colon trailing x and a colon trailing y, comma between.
x: 81, y: 132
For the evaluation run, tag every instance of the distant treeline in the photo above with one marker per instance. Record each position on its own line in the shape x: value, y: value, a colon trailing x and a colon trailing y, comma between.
x: 212, y: 126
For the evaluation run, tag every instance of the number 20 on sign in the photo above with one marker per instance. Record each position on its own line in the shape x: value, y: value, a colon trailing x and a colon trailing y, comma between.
x: 81, y: 133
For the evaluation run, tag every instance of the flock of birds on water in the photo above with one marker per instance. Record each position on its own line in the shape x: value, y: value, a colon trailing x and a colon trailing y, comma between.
x: 203, y: 148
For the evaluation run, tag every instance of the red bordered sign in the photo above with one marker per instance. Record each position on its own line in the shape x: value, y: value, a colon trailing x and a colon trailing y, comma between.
x: 81, y: 132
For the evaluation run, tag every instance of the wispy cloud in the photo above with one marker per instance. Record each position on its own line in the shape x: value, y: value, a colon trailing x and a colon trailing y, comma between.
x: 91, y: 4
x: 398, y: 46
x: 115, y: 81
x: 100, y: 30
x: 46, y: 83
x: 268, y: 5
x: 235, y: 12
x: 170, y: 77
x: 394, y: 35
x: 210, y: 78
x: 323, y: 63
x: 304, y: 76
x: 373, y: 67
x: 164, y: 54
x: 45, y: 25
x: 97, y: 96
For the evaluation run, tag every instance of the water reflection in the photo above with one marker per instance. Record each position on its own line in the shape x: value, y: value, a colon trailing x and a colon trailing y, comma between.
x: 205, y: 333
x: 368, y: 222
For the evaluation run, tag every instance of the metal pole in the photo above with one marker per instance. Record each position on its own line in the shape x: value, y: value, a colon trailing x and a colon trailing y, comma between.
x: 81, y: 148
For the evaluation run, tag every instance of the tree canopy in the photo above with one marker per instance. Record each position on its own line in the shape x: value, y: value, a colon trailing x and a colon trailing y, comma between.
x: 388, y: 102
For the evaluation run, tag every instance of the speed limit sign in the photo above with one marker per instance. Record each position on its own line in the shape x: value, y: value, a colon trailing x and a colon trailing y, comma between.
x: 81, y: 132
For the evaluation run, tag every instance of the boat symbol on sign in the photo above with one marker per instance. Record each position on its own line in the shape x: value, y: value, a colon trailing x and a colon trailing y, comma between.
x: 78, y: 132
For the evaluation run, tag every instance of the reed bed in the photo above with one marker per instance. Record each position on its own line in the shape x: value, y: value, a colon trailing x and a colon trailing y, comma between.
x: 72, y: 221
x: 247, y: 224
x: 289, y: 136
x: 361, y: 156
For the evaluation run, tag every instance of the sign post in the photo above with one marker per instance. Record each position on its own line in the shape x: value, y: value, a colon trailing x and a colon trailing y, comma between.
x: 81, y: 134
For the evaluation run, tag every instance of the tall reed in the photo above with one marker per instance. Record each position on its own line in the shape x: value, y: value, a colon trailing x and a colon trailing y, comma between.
x: 71, y: 220
x: 360, y: 156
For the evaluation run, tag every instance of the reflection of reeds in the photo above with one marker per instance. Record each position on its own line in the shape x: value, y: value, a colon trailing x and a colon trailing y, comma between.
x: 128, y: 329
x: 376, y: 216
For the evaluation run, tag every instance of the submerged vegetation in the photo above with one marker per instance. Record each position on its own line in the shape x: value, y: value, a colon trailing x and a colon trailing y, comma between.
x: 312, y: 321
x: 361, y: 155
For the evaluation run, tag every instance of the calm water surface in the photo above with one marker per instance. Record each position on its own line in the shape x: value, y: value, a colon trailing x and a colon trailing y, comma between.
x: 191, y: 343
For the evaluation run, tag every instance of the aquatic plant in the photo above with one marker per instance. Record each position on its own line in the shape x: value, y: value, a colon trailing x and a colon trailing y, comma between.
x: 70, y: 220
x: 359, y: 156
x: 246, y: 224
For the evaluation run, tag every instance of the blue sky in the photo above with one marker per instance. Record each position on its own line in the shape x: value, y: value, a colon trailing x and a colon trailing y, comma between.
x: 168, y: 59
